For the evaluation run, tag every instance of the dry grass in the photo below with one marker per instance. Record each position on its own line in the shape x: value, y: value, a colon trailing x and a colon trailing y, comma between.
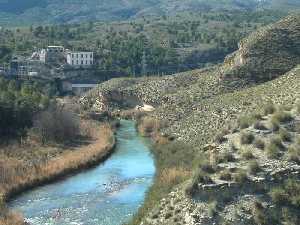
x: 17, y: 175
x: 174, y: 175
x: 148, y: 126
x: 12, y: 218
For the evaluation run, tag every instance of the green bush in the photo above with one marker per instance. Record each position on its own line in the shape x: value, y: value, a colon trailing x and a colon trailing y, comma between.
x: 225, y: 175
x: 226, y: 157
x: 244, y: 122
x: 285, y: 135
x: 259, y: 143
x: 220, y: 138
x: 259, y: 126
x: 294, y: 154
x: 258, y: 213
x: 205, y: 166
x: 246, y: 138
x: 287, y: 194
x: 198, y: 177
x: 278, y: 195
x: 282, y: 116
x: 212, y: 209
x: 275, y: 125
x: 253, y: 167
x: 247, y: 154
x: 270, y: 108
x: 274, y: 148
x: 240, y: 177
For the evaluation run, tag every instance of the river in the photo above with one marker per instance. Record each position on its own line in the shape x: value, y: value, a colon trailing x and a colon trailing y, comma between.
x: 108, y: 194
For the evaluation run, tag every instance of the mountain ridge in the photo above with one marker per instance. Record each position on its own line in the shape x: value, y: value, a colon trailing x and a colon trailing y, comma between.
x: 67, y: 11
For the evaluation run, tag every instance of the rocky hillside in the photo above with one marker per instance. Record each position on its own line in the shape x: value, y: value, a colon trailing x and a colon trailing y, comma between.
x: 267, y: 53
x: 188, y: 101
x: 194, y: 107
x: 251, y: 176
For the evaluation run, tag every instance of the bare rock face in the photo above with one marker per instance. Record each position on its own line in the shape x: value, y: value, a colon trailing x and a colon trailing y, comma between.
x: 266, y: 54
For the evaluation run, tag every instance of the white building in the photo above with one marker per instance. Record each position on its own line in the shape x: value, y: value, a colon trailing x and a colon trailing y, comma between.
x: 80, y: 58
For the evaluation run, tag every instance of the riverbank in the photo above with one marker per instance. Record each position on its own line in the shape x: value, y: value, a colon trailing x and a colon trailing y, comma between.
x: 19, y: 175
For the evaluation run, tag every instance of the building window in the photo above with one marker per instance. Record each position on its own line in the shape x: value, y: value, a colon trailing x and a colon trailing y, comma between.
x: 72, y: 62
x: 77, y: 56
x: 81, y: 55
x: 76, y: 62
x: 86, y: 62
x: 91, y: 55
x: 86, y: 56
x: 81, y: 62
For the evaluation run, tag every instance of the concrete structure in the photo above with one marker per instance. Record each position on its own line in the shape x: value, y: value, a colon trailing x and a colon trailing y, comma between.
x: 77, y: 89
x: 52, y: 54
x: 80, y: 59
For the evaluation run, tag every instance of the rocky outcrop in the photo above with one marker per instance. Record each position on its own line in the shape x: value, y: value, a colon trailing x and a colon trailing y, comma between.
x: 267, y: 53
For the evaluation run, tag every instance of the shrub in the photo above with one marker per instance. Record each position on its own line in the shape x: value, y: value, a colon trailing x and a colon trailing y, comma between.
x: 275, y: 125
x: 198, y: 177
x: 246, y: 138
x: 225, y: 175
x: 259, y: 126
x: 247, y: 154
x: 244, y: 122
x: 270, y: 108
x: 253, y: 167
x: 258, y: 212
x: 226, y: 157
x: 205, y: 166
x: 148, y: 125
x: 220, y: 138
x: 294, y: 153
x: 282, y: 116
x: 285, y: 135
x: 259, y: 143
x: 298, y: 106
x: 273, y: 149
x: 212, y: 208
x: 56, y: 124
x: 240, y: 176
x: 278, y: 195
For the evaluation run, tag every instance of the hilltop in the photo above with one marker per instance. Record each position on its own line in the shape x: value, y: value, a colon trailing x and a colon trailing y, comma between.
x: 55, y: 11
x: 192, y: 107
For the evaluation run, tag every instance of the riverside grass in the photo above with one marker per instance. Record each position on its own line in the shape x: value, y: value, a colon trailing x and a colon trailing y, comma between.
x: 17, y: 175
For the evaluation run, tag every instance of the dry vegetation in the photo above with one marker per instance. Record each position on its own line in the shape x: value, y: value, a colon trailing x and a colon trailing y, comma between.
x: 26, y: 167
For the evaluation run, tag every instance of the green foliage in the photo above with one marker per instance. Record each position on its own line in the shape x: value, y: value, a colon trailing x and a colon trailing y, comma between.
x: 270, y: 108
x: 259, y: 143
x: 294, y: 153
x: 287, y: 194
x: 247, y: 154
x: 282, y: 117
x: 136, y: 49
x: 285, y: 135
x: 253, y: 167
x: 18, y: 105
x: 225, y: 175
x: 240, y: 177
x: 247, y: 138
x: 274, y: 147
x: 259, y: 214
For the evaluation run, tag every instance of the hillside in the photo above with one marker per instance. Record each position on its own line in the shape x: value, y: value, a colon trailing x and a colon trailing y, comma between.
x: 151, y: 46
x: 192, y: 108
x: 20, y: 12
x: 266, y: 54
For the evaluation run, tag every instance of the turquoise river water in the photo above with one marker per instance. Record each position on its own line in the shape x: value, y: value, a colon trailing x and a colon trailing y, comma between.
x: 108, y: 194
